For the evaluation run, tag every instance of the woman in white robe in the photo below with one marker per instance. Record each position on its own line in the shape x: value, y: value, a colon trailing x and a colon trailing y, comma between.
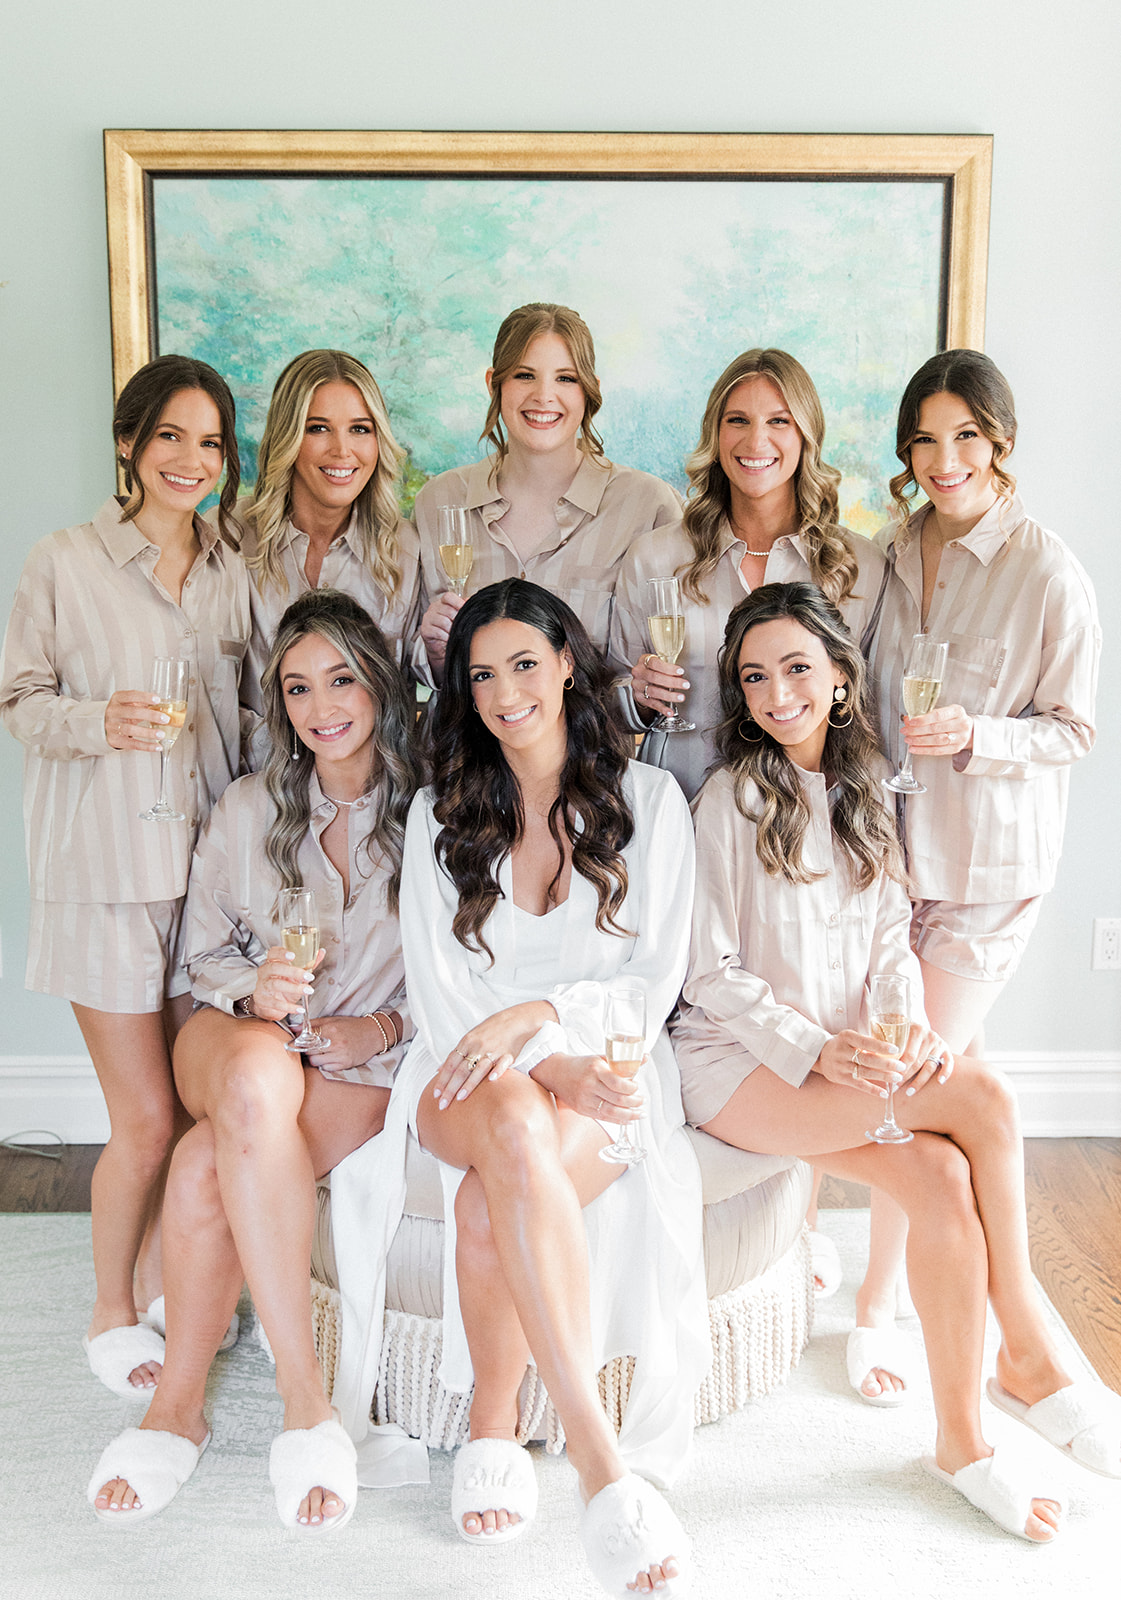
x: 541, y: 866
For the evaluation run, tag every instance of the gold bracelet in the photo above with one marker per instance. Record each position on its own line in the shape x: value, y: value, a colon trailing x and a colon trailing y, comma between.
x: 388, y: 1015
x: 372, y: 1016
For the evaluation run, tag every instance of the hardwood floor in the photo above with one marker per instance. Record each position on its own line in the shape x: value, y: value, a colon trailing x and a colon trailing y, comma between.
x: 1074, y: 1224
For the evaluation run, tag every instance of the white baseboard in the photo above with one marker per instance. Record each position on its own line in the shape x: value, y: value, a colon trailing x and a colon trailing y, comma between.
x: 1073, y: 1095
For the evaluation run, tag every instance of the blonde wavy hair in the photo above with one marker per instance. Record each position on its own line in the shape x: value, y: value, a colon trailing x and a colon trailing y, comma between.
x: 270, y: 503
x: 829, y: 548
x: 515, y: 336
x: 978, y: 383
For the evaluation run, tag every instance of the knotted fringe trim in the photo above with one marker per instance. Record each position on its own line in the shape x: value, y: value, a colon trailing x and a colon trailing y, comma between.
x: 758, y: 1334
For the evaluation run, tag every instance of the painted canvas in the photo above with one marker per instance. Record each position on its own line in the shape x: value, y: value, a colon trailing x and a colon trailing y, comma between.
x: 674, y: 277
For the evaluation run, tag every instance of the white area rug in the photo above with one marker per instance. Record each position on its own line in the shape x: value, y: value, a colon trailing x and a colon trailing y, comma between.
x: 807, y: 1493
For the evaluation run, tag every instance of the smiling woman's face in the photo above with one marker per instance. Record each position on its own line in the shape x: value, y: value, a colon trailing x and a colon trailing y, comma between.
x: 788, y: 678
x: 329, y: 709
x: 517, y: 682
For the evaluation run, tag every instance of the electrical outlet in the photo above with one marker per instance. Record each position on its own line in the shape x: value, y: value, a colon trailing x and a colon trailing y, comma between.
x: 1107, y: 945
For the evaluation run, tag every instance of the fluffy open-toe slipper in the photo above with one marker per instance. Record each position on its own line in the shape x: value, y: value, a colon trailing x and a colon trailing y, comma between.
x: 890, y: 1350
x: 494, y: 1475
x: 155, y: 1465
x: 116, y: 1352
x: 1082, y: 1420
x: 155, y: 1318
x: 629, y: 1527
x: 303, y: 1459
x: 1003, y: 1486
x: 826, y: 1264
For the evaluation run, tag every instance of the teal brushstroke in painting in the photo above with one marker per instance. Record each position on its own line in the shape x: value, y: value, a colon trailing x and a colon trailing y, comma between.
x: 674, y: 278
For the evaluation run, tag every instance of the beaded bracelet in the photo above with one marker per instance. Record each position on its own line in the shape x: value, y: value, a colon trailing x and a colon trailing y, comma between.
x: 375, y: 1017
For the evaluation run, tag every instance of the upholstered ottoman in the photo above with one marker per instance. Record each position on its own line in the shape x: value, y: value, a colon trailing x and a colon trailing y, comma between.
x: 757, y: 1267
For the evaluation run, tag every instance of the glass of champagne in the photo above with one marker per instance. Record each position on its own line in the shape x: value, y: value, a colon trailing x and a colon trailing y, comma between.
x: 169, y: 683
x: 665, y: 622
x: 922, y: 681
x: 890, y: 1013
x: 624, y: 1025
x: 457, y: 553
x: 299, y: 933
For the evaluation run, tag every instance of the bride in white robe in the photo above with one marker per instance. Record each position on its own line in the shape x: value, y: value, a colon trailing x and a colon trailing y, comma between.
x: 520, y: 1153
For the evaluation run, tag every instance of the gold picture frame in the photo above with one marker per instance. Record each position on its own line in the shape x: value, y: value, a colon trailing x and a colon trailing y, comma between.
x: 134, y: 156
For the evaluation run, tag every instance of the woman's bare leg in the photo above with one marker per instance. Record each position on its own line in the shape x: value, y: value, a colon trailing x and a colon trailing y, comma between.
x: 956, y: 1008
x: 499, y: 1352
x: 536, y: 1166
x: 204, y: 1270
x: 967, y: 1230
x: 130, y: 1055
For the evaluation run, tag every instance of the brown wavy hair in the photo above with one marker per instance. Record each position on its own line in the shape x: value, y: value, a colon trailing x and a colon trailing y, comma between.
x: 477, y: 798
x: 829, y: 547
x: 394, y: 770
x: 515, y: 336
x: 140, y: 405
x: 978, y: 383
x: 861, y: 824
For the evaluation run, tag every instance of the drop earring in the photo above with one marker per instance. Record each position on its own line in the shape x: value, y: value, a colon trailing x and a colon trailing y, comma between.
x: 841, y: 702
x: 297, y: 747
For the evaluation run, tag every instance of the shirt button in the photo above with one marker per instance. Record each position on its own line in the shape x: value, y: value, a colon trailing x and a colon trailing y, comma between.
x: 192, y: 772
x: 836, y: 966
x: 192, y: 683
x: 840, y: 1011
x: 330, y: 980
x: 941, y: 585
x: 560, y: 502
x: 190, y: 727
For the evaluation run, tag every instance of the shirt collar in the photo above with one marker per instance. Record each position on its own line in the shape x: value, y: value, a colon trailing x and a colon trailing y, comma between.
x: 985, y: 540
x: 289, y: 533
x: 124, y: 540
x: 584, y: 492
x: 728, y: 538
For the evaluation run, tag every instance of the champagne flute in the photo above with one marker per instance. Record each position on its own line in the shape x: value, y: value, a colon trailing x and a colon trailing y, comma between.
x: 922, y: 682
x: 624, y: 1025
x: 666, y: 624
x: 299, y: 933
x: 457, y: 553
x: 890, y: 1014
x: 169, y: 684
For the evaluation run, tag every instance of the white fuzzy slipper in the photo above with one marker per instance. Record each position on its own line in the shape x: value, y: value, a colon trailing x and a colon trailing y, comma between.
x: 155, y: 1317
x: 629, y: 1527
x: 889, y: 1349
x: 115, y: 1353
x: 494, y: 1475
x: 1003, y: 1486
x: 1083, y: 1421
x: 826, y: 1264
x: 303, y: 1459
x: 155, y: 1465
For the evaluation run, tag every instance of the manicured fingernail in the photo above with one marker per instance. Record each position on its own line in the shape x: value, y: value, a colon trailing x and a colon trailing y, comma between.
x: 462, y: 1095
x: 910, y: 1091
x: 443, y: 1105
x: 942, y: 1077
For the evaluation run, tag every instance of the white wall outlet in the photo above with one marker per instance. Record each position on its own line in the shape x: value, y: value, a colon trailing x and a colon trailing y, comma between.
x: 1107, y: 945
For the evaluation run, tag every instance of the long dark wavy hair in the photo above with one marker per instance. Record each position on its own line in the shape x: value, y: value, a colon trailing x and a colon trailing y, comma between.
x: 477, y: 798
x: 394, y: 770
x: 861, y: 824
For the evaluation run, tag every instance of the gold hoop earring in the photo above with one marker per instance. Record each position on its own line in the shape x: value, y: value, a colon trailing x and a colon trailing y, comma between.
x: 841, y: 702
x: 569, y: 682
x: 746, y: 737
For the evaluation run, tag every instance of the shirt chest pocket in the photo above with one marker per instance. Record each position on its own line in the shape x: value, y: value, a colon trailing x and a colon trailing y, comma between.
x: 972, y: 672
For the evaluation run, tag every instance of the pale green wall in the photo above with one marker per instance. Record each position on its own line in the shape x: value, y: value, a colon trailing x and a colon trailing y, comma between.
x: 1043, y: 84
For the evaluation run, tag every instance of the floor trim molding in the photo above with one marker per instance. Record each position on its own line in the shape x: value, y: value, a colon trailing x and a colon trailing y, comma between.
x: 1073, y: 1095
